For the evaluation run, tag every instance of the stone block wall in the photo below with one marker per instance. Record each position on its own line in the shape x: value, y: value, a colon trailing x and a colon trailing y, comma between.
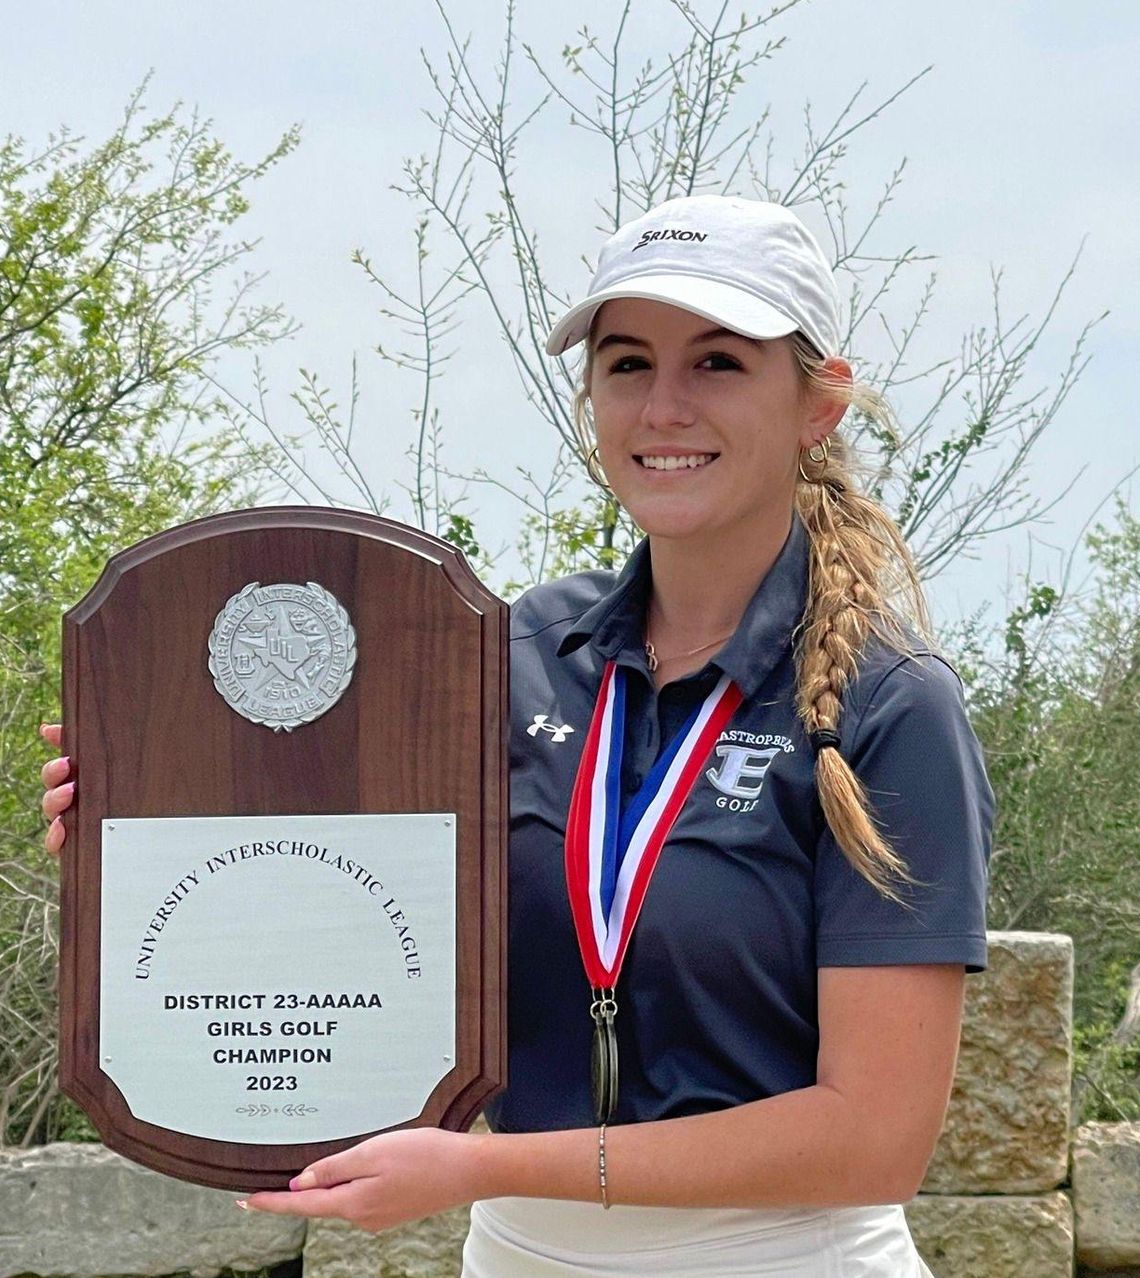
x: 1009, y: 1193
x: 993, y: 1189
x: 1106, y: 1195
x: 82, y: 1210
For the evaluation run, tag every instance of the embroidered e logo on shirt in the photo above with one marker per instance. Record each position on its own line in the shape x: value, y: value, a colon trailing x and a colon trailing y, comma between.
x: 740, y: 774
x: 540, y: 724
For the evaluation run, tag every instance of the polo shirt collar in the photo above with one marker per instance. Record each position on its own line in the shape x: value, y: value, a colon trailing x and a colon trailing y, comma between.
x: 614, y: 626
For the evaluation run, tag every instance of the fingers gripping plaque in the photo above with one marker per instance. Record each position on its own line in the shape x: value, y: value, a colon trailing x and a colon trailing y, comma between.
x: 282, y: 655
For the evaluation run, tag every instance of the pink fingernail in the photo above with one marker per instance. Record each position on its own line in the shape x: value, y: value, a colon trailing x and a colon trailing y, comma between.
x: 69, y: 786
x: 240, y: 1202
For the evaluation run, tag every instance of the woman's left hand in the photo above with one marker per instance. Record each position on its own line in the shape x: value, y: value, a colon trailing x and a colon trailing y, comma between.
x: 384, y: 1181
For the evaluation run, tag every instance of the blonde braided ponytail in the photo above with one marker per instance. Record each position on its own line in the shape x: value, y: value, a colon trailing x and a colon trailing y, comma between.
x: 861, y: 580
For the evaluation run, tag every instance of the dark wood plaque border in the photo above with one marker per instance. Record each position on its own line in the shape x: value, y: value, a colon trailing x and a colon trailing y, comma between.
x: 88, y: 722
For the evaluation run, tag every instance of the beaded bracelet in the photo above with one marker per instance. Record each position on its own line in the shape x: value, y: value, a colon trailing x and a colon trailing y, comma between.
x: 602, y: 1165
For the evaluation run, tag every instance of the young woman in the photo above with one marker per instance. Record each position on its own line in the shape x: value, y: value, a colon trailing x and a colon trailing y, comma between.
x: 749, y: 868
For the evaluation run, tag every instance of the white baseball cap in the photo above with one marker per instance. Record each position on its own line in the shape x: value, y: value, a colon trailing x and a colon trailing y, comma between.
x: 748, y: 265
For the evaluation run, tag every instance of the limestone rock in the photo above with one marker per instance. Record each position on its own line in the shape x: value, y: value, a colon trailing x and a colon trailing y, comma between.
x: 430, y: 1248
x: 1007, y: 1126
x: 1006, y: 1236
x: 81, y: 1211
x: 1106, y: 1193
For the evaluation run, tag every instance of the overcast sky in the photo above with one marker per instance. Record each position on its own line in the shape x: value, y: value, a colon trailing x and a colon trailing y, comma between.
x: 1020, y: 143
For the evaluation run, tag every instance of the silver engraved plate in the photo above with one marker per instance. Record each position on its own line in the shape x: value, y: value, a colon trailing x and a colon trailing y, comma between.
x: 281, y: 655
x: 278, y: 979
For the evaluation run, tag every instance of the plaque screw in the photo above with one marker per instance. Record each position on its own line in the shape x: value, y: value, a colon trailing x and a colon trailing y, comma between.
x: 446, y: 1058
x: 106, y: 1060
x: 445, y: 823
x: 110, y: 826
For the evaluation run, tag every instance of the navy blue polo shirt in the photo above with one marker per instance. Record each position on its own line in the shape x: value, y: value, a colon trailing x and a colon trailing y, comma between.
x: 717, y: 998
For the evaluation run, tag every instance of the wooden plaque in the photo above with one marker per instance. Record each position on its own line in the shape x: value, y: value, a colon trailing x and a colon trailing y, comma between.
x: 288, y: 730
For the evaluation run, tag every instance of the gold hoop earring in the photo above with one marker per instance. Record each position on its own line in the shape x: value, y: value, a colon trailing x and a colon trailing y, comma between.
x: 594, y: 469
x: 824, y: 447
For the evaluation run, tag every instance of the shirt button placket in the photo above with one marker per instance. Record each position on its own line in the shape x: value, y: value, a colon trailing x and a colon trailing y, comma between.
x: 642, y: 734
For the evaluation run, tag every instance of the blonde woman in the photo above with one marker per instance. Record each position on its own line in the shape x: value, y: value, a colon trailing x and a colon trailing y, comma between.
x: 749, y: 862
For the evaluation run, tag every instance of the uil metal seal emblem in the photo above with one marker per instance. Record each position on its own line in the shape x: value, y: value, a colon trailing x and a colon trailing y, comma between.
x: 282, y: 655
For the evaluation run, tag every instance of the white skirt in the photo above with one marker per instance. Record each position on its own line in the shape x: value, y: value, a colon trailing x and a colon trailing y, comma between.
x: 547, y: 1238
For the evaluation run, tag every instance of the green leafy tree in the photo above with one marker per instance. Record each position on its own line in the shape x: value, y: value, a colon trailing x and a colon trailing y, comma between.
x: 1058, y: 713
x: 122, y: 282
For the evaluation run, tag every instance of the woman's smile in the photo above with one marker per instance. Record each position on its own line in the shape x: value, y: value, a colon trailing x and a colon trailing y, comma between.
x: 673, y: 462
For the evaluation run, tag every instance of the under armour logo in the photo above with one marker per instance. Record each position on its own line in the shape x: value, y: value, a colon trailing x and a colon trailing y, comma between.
x: 556, y: 734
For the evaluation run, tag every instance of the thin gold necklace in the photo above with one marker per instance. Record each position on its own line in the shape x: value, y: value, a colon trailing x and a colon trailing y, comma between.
x: 654, y: 660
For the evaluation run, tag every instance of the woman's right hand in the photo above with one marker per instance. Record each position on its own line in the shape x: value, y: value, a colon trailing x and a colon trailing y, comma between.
x: 59, y: 792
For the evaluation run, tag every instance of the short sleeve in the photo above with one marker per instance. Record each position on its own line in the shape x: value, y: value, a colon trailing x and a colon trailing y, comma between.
x: 914, y: 750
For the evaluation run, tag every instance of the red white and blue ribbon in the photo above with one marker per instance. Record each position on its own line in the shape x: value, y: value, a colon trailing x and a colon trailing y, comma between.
x: 610, y: 859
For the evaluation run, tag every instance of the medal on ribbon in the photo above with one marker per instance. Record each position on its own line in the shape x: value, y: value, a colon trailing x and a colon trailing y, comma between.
x: 611, y: 856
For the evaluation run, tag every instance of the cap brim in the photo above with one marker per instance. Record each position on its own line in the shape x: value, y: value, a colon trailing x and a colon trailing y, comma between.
x: 723, y: 304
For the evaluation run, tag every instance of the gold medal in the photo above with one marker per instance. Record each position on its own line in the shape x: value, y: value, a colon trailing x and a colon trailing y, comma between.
x: 604, y: 1056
